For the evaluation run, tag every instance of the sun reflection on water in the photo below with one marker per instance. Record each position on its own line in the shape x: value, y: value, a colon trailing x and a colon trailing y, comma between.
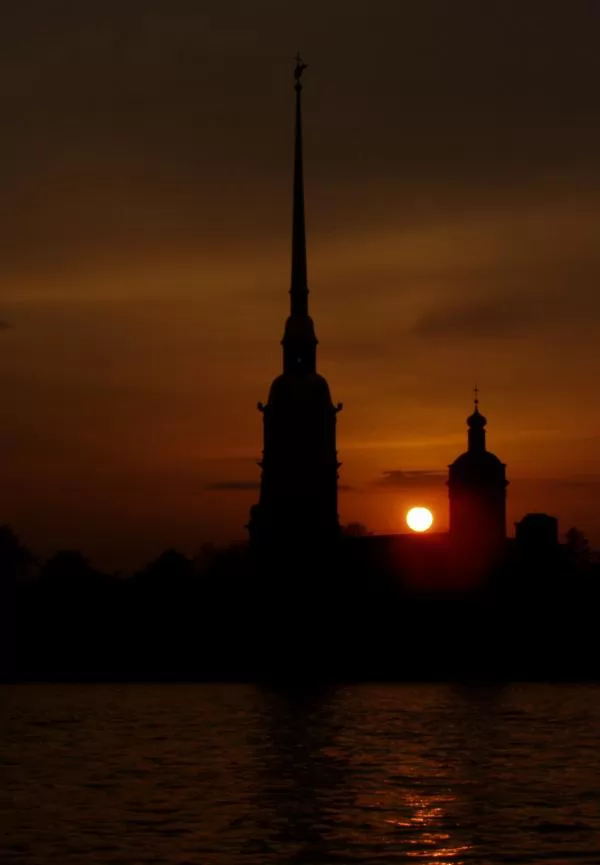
x: 426, y: 818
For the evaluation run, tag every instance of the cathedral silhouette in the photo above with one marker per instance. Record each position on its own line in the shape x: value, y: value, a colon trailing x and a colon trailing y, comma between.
x: 298, y: 491
x: 298, y: 502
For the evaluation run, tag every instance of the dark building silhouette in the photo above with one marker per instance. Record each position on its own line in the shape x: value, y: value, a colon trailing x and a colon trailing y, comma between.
x: 298, y: 491
x: 537, y: 531
x: 477, y: 492
x: 537, y: 558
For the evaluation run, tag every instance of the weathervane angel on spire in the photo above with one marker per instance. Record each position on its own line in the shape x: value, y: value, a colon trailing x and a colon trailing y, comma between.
x: 300, y: 67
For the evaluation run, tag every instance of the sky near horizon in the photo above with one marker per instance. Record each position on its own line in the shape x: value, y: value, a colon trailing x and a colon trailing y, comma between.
x: 452, y: 171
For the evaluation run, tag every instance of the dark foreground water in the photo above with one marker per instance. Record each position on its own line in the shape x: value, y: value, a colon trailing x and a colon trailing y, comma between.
x: 224, y: 774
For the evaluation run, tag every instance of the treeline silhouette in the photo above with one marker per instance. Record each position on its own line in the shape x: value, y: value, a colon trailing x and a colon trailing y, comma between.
x: 343, y: 613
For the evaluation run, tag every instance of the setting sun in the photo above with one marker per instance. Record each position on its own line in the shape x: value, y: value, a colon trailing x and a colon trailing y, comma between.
x: 419, y: 519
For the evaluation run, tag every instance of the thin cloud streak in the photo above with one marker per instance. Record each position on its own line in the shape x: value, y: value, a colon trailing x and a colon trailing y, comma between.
x: 232, y: 486
x: 400, y: 479
x: 492, y: 318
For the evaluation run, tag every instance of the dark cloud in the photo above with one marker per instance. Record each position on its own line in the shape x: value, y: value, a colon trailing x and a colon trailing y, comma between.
x: 433, y: 478
x: 5, y: 325
x: 400, y: 479
x: 239, y: 461
x: 496, y: 317
x: 243, y: 486
x: 232, y: 486
x: 236, y: 486
x: 408, y: 480
x: 591, y: 483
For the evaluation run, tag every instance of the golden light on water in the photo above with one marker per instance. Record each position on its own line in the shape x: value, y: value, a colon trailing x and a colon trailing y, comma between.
x: 419, y: 519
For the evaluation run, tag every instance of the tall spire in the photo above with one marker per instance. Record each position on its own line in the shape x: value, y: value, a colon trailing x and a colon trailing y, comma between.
x: 299, y: 340
x: 299, y: 282
x: 297, y: 509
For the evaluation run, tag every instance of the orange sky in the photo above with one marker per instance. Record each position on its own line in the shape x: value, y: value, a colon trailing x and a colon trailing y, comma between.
x: 453, y: 204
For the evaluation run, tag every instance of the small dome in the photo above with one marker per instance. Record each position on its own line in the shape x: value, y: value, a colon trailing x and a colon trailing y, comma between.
x: 300, y: 390
x: 476, y: 419
x: 477, y: 460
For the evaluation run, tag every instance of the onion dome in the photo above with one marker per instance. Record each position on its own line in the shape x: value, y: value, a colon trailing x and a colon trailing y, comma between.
x: 476, y: 420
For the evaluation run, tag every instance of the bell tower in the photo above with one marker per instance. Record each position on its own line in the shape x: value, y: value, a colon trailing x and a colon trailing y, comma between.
x: 477, y: 493
x: 297, y: 505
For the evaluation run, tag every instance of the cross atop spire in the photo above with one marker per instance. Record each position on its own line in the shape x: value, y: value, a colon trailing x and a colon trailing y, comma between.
x: 476, y: 398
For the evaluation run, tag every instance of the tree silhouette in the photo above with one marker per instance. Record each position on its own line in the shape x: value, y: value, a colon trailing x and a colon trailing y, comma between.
x: 169, y: 570
x: 578, y: 546
x: 16, y: 561
x: 355, y: 530
x: 68, y: 568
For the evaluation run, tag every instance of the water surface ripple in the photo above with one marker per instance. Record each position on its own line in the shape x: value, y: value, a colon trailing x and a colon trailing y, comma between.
x: 220, y: 774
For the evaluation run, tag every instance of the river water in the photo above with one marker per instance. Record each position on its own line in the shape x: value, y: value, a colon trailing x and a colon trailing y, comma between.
x: 220, y: 774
